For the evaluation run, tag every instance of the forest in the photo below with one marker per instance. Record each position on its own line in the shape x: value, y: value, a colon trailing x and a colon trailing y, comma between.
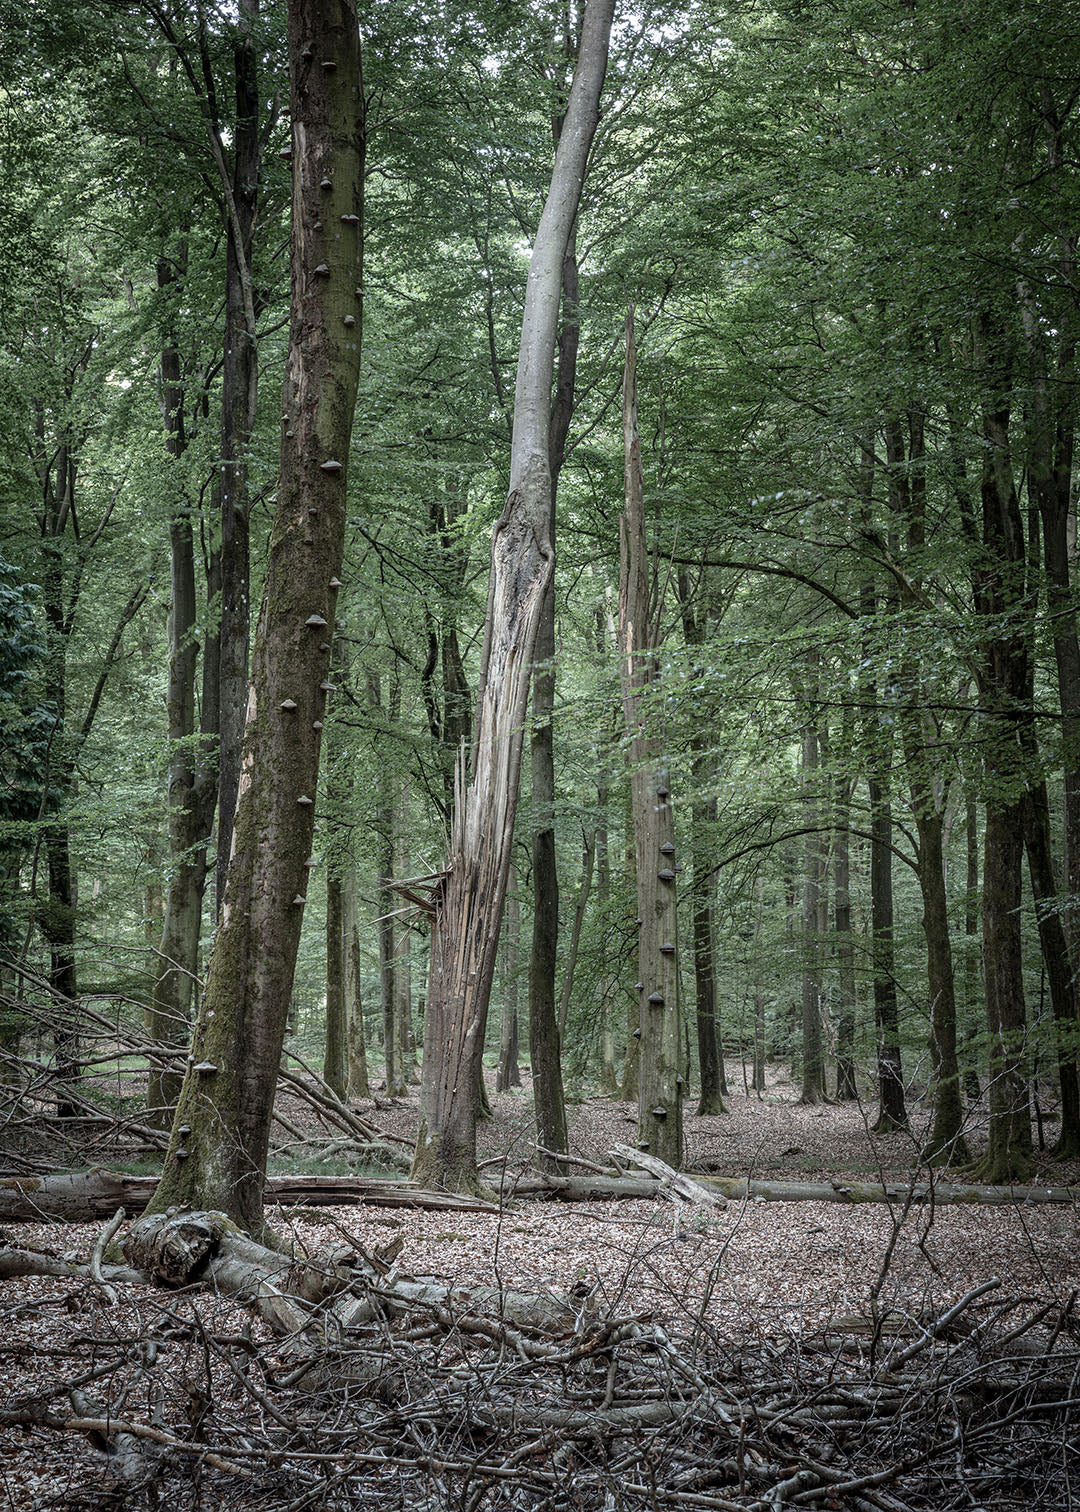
x: 539, y: 755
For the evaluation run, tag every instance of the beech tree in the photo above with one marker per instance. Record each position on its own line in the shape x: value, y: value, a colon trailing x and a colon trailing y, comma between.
x: 218, y: 1145
x: 468, y: 900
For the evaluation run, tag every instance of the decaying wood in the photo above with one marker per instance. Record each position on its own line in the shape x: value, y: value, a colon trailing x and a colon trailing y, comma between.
x: 83, y: 1197
x: 608, y: 1188
x: 467, y: 1398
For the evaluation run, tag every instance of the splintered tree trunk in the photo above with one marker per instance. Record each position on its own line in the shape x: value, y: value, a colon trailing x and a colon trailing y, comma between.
x: 335, y: 1069
x: 356, y: 1049
x: 217, y: 1150
x: 660, y: 1082
x: 468, y: 906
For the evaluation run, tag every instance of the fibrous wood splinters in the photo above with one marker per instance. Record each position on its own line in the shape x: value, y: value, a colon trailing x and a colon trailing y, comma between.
x: 304, y: 801
x: 330, y: 466
x: 315, y: 622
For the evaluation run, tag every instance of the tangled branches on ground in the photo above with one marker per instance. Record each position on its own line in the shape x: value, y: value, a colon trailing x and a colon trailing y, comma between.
x: 442, y: 1399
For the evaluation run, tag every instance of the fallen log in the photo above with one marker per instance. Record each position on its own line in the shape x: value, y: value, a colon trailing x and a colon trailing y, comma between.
x: 86, y: 1196
x: 541, y: 1185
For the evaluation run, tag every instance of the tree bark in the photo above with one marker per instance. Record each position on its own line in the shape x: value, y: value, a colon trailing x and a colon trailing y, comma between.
x: 335, y: 1067
x: 468, y: 906
x: 218, y: 1146
x: 813, y: 1061
x: 847, y: 989
x: 192, y: 782
x: 660, y: 1080
x: 508, y: 1073
x: 239, y: 398
x: 1003, y: 686
x: 356, y: 1048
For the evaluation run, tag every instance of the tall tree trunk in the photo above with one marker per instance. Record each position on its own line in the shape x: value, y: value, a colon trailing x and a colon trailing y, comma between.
x: 335, y: 1066
x: 508, y: 1073
x: 356, y: 1049
x: 545, y: 1035
x: 192, y: 784
x: 661, y: 1084
x: 813, y: 1061
x: 974, y: 1005
x: 702, y: 813
x: 468, y: 906
x: 239, y: 397
x: 1004, y: 681
x: 929, y: 789
x: 217, y: 1150
x: 847, y: 989
x: 877, y: 735
x: 566, y: 992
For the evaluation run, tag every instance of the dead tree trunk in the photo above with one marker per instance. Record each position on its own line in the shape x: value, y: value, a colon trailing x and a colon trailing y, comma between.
x: 468, y: 905
x: 217, y: 1151
x: 660, y: 1082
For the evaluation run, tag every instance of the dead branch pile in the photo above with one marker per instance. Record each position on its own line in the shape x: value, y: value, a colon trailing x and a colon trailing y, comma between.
x: 379, y: 1390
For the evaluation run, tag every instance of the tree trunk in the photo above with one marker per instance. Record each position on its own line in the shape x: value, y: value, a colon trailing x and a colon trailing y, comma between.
x: 588, y: 857
x: 847, y: 990
x: 508, y: 1073
x: 1004, y: 681
x: 403, y: 1004
x: 239, y: 397
x: 356, y: 1049
x: 218, y: 1146
x: 813, y: 1062
x: 469, y: 904
x: 545, y: 1034
x: 660, y: 1084
x: 974, y: 1006
x: 335, y: 1068
x: 192, y: 784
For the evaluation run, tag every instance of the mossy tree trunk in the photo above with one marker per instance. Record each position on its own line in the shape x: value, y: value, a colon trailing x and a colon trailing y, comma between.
x: 661, y: 1084
x: 217, y: 1150
x: 469, y: 904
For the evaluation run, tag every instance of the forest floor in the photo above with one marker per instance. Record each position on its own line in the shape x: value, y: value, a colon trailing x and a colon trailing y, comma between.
x: 767, y: 1277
